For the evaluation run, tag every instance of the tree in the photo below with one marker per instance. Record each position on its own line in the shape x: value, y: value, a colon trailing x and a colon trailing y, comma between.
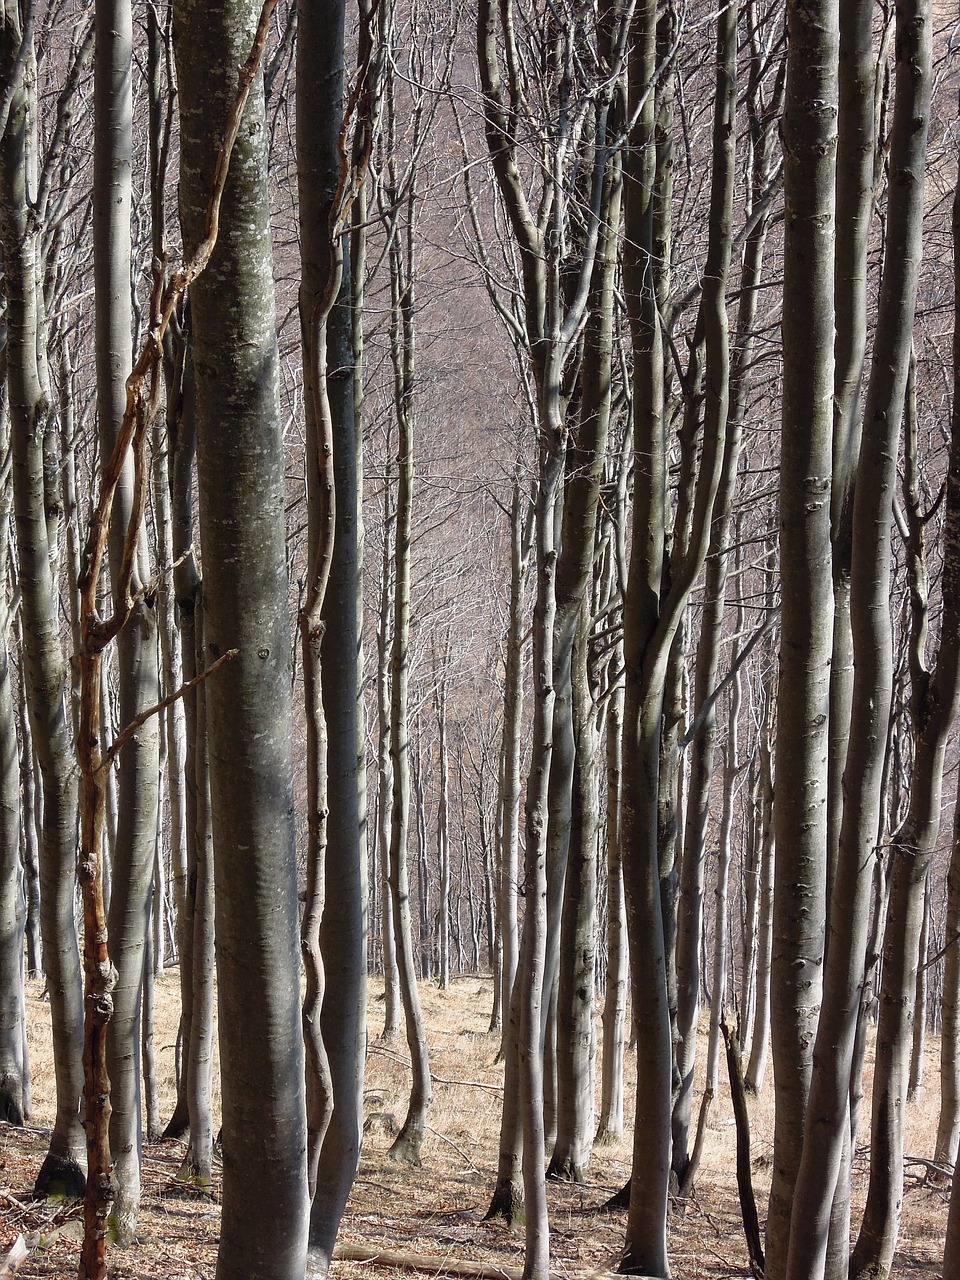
x: 137, y: 800
x: 249, y: 710
x: 334, y: 941
x: 46, y: 670
x: 14, y: 1067
x: 800, y: 811
x: 826, y: 1130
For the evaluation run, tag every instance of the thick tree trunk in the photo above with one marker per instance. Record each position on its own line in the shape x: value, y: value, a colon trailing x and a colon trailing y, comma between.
x: 249, y: 708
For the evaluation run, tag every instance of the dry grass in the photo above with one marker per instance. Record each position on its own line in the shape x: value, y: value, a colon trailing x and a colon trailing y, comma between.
x: 439, y: 1209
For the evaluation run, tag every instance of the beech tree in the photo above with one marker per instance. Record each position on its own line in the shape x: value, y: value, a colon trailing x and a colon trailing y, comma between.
x: 46, y: 672
x: 249, y: 709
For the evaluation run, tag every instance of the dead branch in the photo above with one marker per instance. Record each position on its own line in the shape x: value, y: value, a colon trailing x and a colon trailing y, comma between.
x: 463, y: 1267
x: 122, y: 739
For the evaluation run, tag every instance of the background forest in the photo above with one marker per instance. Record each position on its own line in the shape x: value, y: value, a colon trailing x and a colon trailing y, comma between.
x: 481, y: 494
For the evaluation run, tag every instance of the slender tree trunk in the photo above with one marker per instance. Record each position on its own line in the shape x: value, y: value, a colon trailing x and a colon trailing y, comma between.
x: 509, y: 797
x: 948, y: 1127
x: 408, y: 1143
x: 756, y: 1066
x: 934, y: 697
x: 181, y: 424
x: 577, y: 995
x: 336, y: 940
x: 919, y: 1039
x: 391, y: 978
x: 800, y: 810
x: 703, y: 746
x: 14, y: 1068
x: 614, y: 1015
x: 827, y: 1123
x: 46, y: 673
x: 29, y: 850
x: 196, y: 1168
x: 135, y: 849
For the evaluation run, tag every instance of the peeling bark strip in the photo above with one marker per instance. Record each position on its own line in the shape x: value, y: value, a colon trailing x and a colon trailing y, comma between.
x: 142, y: 402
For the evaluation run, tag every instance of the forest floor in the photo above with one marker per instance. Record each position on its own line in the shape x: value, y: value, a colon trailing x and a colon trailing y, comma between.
x: 438, y: 1210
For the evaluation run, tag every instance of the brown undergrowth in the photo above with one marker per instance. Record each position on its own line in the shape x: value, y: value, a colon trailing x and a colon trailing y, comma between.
x: 437, y: 1210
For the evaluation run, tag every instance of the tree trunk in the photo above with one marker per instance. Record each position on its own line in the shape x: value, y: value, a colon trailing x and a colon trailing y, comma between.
x: 827, y: 1123
x: 46, y: 673
x: 933, y: 705
x: 14, y: 1068
x: 800, y: 809
x: 249, y: 709
x: 948, y: 1127
x: 509, y: 796
x: 135, y: 848
x: 614, y: 1015
x: 919, y: 1038
x: 408, y: 1143
x: 578, y: 943
x: 196, y: 1168
x: 756, y: 1066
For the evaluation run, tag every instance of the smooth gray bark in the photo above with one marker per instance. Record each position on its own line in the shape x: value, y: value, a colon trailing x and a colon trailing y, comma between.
x: 240, y: 468
x: 948, y: 1125
x: 137, y: 795
x: 46, y: 673
x: 342, y: 931
x: 800, y: 810
x: 14, y: 1067
x: 871, y: 562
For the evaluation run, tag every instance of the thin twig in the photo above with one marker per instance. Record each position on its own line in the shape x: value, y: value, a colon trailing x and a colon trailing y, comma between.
x: 462, y: 1154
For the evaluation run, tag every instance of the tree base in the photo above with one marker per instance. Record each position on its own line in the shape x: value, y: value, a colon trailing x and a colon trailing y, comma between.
x: 178, y: 1125
x: 60, y: 1178
x: 406, y: 1147
x: 507, y: 1205
x: 563, y: 1169
x: 11, y: 1105
x: 619, y: 1201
